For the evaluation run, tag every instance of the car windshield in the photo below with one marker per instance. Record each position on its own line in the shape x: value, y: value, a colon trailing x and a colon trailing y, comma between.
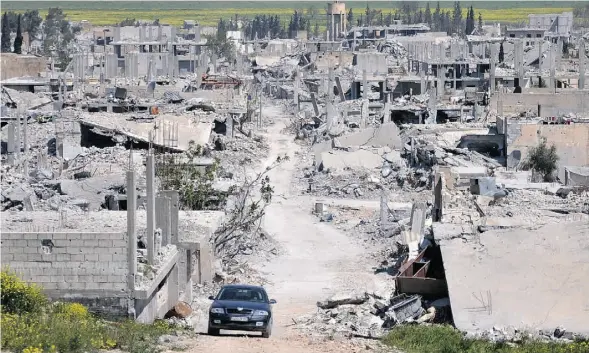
x: 242, y: 294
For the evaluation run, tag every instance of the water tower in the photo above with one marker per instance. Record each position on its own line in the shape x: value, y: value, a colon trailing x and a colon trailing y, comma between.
x: 336, y: 19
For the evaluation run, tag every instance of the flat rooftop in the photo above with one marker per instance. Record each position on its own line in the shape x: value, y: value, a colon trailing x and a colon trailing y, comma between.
x: 193, y: 226
x: 529, y: 278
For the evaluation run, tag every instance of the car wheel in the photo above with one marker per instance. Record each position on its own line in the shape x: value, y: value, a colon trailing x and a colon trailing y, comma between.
x: 268, y: 332
x: 213, y: 331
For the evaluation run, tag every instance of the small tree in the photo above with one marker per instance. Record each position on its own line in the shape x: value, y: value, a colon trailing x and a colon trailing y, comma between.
x: 480, y: 21
x: 18, y: 40
x: 5, y: 34
x: 501, y: 53
x: 542, y: 159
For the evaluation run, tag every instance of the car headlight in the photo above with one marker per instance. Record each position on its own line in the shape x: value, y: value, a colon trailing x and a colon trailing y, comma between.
x: 217, y: 311
x: 260, y: 313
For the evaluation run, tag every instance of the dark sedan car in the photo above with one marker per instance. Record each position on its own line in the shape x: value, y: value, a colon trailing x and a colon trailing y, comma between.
x: 241, y: 308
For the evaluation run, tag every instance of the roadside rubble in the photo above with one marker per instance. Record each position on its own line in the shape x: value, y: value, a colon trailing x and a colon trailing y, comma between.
x: 370, y: 315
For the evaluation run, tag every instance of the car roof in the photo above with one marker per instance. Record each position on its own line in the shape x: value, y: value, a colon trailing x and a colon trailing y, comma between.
x: 243, y: 286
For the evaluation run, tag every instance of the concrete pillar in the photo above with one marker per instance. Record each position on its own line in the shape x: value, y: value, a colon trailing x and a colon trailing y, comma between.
x: 131, y: 234
x: 384, y: 211
x: 25, y: 143
x: 342, y: 97
x: 18, y: 137
x: 519, y: 60
x: 492, y: 61
x: 582, y: 63
x: 499, y: 105
x: 365, y: 89
x: 11, y: 143
x: 150, y: 208
x: 330, y: 84
x: 422, y: 81
x: 314, y: 102
x: 365, y: 113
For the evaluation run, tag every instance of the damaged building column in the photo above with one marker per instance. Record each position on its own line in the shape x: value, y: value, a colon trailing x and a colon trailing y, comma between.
x: 364, y: 84
x: 492, y: 69
x: 150, y: 207
x: 364, y: 112
x: 11, y: 143
x: 131, y: 232
x: 413, y: 236
x: 582, y: 63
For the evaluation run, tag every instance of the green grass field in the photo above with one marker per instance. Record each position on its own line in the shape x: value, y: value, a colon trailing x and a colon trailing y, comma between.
x: 207, y: 13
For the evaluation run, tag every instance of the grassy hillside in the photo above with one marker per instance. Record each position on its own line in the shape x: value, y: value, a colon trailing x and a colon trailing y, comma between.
x: 208, y: 12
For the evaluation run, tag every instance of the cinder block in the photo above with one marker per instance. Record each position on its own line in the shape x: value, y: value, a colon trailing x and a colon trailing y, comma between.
x: 20, y: 243
x: 64, y: 285
x: 73, y: 236
x: 78, y: 285
x: 91, y: 243
x: 104, y: 257
x: 74, y: 250
x: 118, y: 236
x: 41, y: 279
x: 14, y: 264
x: 62, y: 257
x: 71, y: 279
x: 49, y: 285
x: 57, y: 278
x: 14, y: 250
x: 120, y: 244
x: 101, y: 279
x: 92, y: 285
x: 60, y: 236
x: 7, y: 258
x: 117, y: 279
x: 105, y: 286
x: 32, y: 250
x: 75, y: 242
x: 91, y: 257
x: 119, y: 257
x: 20, y: 257
x: 118, y: 264
x: 29, y: 236
x: 77, y: 257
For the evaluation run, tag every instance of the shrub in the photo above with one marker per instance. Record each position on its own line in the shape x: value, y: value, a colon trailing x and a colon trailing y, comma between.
x: 18, y: 297
x: 542, y: 159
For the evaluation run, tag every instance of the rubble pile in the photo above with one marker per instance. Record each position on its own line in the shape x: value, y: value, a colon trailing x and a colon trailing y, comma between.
x: 370, y: 315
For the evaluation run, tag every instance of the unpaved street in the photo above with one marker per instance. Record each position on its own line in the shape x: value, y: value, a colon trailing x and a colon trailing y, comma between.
x: 316, y: 261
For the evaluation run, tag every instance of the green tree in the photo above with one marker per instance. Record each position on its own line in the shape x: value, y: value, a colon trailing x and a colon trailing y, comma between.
x: 6, y: 45
x: 501, y: 53
x: 350, y: 17
x: 31, y: 22
x: 542, y: 159
x: 456, y: 18
x: 57, y: 36
x: 469, y: 21
x: 437, y: 18
x: 428, y: 15
x: 18, y: 40
x: 221, y: 47
x: 480, y: 21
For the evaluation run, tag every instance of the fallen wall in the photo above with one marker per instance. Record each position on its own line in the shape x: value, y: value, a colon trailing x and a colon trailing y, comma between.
x: 552, y: 104
x: 90, y: 268
x: 14, y: 65
x: 571, y: 141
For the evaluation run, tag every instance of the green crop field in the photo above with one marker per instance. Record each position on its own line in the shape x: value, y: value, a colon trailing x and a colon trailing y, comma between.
x: 207, y: 13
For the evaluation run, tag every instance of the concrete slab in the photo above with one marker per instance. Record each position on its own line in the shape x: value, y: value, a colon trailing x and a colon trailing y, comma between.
x: 188, y: 129
x: 524, y: 278
x: 368, y: 159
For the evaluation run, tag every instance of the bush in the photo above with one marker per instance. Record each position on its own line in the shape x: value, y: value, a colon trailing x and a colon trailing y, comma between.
x: 542, y: 159
x: 29, y: 325
x: 18, y: 297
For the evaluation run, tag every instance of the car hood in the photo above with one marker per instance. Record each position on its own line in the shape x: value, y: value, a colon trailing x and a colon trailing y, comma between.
x: 240, y: 304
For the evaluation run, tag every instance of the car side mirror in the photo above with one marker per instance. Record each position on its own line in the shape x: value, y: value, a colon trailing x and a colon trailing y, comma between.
x: 211, y: 298
x: 272, y: 301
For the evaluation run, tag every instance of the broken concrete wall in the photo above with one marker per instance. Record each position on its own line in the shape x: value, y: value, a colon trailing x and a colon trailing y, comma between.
x: 14, y: 65
x: 576, y: 176
x: 373, y: 63
x: 571, y: 141
x: 385, y: 135
x: 552, y: 104
x: 91, y: 268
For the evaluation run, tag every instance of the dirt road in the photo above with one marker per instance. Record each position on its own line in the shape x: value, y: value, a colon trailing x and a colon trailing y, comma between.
x: 316, y: 261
